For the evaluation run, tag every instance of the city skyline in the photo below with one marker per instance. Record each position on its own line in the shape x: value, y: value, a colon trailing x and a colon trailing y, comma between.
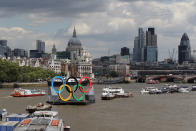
x: 100, y: 25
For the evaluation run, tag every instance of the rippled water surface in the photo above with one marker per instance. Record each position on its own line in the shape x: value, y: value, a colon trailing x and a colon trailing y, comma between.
x: 166, y: 112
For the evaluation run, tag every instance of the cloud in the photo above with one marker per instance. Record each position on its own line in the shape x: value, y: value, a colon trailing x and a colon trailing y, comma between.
x: 101, y: 25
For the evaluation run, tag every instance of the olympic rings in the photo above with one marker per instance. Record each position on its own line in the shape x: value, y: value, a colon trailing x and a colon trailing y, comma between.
x: 75, y: 96
x: 82, y: 89
x: 75, y: 81
x: 68, y: 88
x: 69, y: 97
x: 53, y: 83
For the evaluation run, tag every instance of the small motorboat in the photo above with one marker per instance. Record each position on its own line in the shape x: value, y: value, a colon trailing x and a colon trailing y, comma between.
x: 184, y: 89
x: 150, y: 90
x: 38, y: 107
x: 27, y: 92
x: 193, y: 88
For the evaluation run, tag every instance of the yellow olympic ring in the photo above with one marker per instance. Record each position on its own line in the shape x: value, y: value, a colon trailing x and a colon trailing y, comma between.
x: 69, y: 93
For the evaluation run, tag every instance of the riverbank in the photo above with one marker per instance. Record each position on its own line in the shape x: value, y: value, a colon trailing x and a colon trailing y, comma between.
x: 23, y: 84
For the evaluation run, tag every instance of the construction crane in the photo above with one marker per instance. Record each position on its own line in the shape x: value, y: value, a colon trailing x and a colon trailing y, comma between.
x: 172, y: 54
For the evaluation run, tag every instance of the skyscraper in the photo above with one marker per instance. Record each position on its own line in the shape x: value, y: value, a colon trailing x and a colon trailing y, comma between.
x: 40, y: 46
x: 184, y: 49
x: 151, y: 52
x: 139, y: 46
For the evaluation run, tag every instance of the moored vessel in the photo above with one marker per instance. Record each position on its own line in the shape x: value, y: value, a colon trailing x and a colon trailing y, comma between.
x: 109, y: 93
x: 42, y: 121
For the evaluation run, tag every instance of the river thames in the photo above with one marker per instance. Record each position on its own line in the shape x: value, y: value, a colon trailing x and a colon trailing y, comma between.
x: 164, y: 112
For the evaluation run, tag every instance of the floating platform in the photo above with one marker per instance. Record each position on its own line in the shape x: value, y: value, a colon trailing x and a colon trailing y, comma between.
x: 54, y: 99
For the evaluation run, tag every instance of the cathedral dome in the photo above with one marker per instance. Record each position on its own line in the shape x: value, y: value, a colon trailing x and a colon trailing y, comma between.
x: 74, y: 40
x: 74, y: 43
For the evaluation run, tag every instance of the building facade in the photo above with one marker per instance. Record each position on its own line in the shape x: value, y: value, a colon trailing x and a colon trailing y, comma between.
x: 121, y: 69
x: 184, y: 49
x: 20, y: 53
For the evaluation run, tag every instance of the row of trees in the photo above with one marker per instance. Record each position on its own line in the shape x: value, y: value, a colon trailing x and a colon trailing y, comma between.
x: 11, y: 72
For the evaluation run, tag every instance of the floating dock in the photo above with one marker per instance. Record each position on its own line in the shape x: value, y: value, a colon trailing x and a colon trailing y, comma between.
x: 54, y: 99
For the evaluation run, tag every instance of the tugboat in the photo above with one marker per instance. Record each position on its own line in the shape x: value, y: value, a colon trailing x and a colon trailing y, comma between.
x: 38, y: 107
x: 27, y: 93
x: 42, y: 121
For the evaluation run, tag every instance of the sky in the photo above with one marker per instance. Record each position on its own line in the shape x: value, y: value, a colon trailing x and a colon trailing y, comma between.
x: 103, y: 26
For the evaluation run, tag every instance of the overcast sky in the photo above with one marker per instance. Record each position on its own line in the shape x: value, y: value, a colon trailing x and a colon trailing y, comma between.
x: 103, y: 26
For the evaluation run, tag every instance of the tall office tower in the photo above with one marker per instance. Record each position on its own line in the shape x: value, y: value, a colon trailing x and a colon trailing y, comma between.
x: 151, y: 52
x: 184, y: 49
x: 139, y: 46
x: 40, y: 46
x: 124, y: 51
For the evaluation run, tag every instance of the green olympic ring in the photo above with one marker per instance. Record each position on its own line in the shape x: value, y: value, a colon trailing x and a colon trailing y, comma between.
x: 75, y: 96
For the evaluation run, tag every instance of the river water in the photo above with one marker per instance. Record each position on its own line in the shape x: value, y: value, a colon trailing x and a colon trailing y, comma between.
x: 165, y: 112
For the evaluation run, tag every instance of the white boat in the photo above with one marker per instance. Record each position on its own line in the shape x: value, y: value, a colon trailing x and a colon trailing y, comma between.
x: 184, y: 89
x: 150, y: 90
x: 42, y: 121
x: 110, y: 93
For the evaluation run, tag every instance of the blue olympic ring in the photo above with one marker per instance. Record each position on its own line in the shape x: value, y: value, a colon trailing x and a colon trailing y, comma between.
x: 53, y: 83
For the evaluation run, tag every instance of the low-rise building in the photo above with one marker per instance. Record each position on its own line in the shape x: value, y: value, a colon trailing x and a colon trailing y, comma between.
x: 122, y: 69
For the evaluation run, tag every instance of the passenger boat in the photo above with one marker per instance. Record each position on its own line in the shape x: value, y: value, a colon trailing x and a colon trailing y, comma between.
x: 38, y: 107
x: 109, y: 93
x: 27, y: 93
x: 42, y: 121
x: 184, y: 89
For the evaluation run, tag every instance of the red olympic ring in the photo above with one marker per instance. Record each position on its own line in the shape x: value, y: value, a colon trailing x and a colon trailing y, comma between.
x: 89, y: 86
